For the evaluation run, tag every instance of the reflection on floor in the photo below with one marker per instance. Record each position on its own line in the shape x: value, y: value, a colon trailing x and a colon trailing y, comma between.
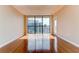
x: 20, y: 45
x: 40, y: 43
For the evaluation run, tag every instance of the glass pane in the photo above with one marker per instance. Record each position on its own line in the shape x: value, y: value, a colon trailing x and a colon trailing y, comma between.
x: 46, y: 24
x: 31, y: 42
x: 46, y: 42
x: 38, y: 21
x: 31, y: 30
x: 39, y: 30
x: 45, y: 21
x: 46, y: 29
x: 38, y: 41
x: 30, y: 21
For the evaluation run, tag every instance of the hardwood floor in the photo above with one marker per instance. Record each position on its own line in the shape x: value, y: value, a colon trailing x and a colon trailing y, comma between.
x: 21, y: 46
x: 66, y: 47
x: 14, y: 47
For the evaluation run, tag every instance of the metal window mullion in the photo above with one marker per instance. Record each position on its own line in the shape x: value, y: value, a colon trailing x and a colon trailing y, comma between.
x: 35, y: 30
x: 49, y: 24
x: 42, y: 33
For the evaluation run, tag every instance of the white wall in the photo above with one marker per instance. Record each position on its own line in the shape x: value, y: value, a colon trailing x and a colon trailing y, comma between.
x: 11, y: 24
x: 68, y: 24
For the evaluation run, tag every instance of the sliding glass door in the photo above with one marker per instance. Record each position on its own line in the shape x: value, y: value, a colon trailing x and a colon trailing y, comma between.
x: 38, y: 33
x: 31, y: 32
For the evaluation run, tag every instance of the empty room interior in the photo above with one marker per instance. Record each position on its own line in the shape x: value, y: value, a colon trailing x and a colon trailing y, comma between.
x: 39, y: 28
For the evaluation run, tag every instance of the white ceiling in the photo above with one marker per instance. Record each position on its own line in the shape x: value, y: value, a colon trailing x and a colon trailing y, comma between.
x: 38, y: 9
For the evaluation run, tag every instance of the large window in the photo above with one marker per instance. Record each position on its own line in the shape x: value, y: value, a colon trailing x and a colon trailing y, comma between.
x: 38, y: 33
x: 38, y: 24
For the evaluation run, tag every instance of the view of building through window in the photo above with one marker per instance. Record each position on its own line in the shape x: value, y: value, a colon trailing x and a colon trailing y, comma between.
x: 38, y: 24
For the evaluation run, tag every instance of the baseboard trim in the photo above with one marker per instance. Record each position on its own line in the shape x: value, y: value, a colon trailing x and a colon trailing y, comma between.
x: 68, y: 41
x: 8, y: 42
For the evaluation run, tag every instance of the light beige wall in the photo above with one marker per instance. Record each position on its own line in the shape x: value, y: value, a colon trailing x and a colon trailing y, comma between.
x: 68, y: 24
x: 11, y: 24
